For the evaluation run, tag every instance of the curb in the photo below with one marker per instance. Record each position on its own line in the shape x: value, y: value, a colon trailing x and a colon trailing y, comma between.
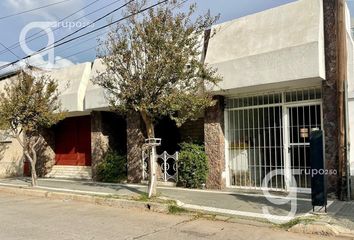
x: 98, y: 200
x: 322, y: 228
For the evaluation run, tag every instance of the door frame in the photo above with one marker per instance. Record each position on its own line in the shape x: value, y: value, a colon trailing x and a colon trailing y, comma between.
x: 286, y: 156
x: 286, y: 140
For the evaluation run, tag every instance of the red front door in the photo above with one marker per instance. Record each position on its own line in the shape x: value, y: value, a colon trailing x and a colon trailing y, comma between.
x: 73, y: 142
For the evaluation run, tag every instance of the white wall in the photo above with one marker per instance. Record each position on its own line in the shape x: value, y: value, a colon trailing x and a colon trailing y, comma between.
x: 278, y: 45
x: 95, y: 96
x: 73, y: 83
x: 11, y: 153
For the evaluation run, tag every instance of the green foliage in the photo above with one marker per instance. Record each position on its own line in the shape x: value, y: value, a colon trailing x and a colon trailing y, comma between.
x: 173, y: 209
x: 113, y: 167
x: 29, y: 104
x: 192, y: 165
x: 153, y: 63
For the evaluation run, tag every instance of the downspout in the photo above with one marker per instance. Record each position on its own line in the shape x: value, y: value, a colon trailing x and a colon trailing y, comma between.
x: 342, y: 75
x: 347, y: 142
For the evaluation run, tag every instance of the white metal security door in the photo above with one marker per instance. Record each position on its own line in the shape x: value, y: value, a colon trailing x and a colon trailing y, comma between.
x: 271, y: 132
x: 302, y: 120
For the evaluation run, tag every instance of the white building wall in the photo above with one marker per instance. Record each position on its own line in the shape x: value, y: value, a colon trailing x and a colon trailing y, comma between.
x: 274, y: 46
x: 11, y: 152
x: 72, y: 83
x: 95, y: 96
x: 350, y: 93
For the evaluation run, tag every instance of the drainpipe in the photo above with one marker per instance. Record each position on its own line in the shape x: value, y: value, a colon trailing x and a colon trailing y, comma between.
x: 347, y: 142
x: 342, y: 76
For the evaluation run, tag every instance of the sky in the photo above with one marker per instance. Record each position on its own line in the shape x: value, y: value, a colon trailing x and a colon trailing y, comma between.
x: 84, y: 49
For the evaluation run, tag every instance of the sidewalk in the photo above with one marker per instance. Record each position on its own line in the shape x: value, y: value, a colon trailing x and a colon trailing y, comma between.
x: 230, y: 202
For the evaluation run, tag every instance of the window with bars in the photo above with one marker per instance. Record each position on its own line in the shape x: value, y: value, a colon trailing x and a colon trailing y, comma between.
x: 255, y: 135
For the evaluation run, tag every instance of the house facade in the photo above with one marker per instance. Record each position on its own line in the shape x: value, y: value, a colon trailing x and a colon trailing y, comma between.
x: 279, y: 70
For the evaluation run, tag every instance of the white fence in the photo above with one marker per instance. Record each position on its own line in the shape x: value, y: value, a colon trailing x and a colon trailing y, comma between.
x: 167, y: 166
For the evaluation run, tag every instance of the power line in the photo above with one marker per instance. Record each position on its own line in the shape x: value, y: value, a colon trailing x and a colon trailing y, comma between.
x: 53, y: 44
x: 98, y: 19
x: 34, y: 9
x: 80, y: 42
x: 86, y: 40
x: 9, y: 50
x: 87, y: 33
x: 80, y: 29
x: 103, y: 32
x: 13, y: 46
x: 97, y: 10
x: 68, y: 56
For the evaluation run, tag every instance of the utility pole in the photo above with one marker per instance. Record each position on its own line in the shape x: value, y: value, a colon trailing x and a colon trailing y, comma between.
x: 342, y: 78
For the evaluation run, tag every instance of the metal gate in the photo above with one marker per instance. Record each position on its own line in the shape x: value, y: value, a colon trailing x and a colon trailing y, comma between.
x: 264, y: 133
x: 302, y: 120
x: 167, y: 166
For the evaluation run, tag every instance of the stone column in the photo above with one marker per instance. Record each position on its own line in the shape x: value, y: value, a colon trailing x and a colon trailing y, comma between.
x: 215, y: 143
x: 329, y: 89
x: 135, y: 140
x: 99, y: 142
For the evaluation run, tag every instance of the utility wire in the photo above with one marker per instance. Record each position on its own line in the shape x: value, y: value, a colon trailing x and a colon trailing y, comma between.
x: 86, y: 40
x: 13, y: 46
x: 80, y: 42
x: 34, y: 9
x: 53, y: 44
x: 102, y: 33
x: 98, y: 19
x: 97, y: 10
x: 87, y: 33
x: 9, y: 50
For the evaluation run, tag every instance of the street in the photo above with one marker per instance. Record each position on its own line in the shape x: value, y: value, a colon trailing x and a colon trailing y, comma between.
x: 36, y: 218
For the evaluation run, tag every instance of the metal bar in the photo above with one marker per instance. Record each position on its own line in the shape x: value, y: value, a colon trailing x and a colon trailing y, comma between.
x: 264, y: 144
x: 270, y: 147
x: 300, y: 144
x: 298, y: 139
x: 304, y: 139
x: 255, y: 107
x: 234, y: 156
x: 249, y: 147
x: 165, y: 165
x: 254, y: 150
x: 259, y: 152
x: 281, y: 130
x: 275, y: 149
x: 227, y: 146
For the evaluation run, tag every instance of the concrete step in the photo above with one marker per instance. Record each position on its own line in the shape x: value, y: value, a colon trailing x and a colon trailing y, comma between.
x: 70, y: 172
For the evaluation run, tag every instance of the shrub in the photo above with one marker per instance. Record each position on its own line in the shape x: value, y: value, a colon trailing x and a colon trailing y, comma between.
x: 192, y: 165
x: 112, y: 168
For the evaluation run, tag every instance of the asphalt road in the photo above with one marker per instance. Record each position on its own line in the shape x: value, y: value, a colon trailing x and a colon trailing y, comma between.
x: 36, y: 218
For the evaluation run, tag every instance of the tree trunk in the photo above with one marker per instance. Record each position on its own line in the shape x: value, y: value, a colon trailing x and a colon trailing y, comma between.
x: 33, y: 175
x: 32, y: 160
x: 33, y: 165
x: 153, y: 161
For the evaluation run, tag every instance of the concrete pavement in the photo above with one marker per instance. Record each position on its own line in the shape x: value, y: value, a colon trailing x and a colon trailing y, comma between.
x: 30, y: 218
x: 231, y: 202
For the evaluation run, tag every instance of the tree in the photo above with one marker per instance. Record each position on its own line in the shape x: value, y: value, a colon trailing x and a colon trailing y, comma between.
x: 153, y: 66
x: 28, y: 105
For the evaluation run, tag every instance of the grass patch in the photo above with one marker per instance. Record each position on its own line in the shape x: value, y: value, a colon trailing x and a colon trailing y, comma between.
x: 296, y: 221
x: 173, y: 209
x: 144, y: 197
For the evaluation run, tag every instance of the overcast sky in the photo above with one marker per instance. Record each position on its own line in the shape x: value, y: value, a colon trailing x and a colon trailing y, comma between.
x: 11, y: 27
